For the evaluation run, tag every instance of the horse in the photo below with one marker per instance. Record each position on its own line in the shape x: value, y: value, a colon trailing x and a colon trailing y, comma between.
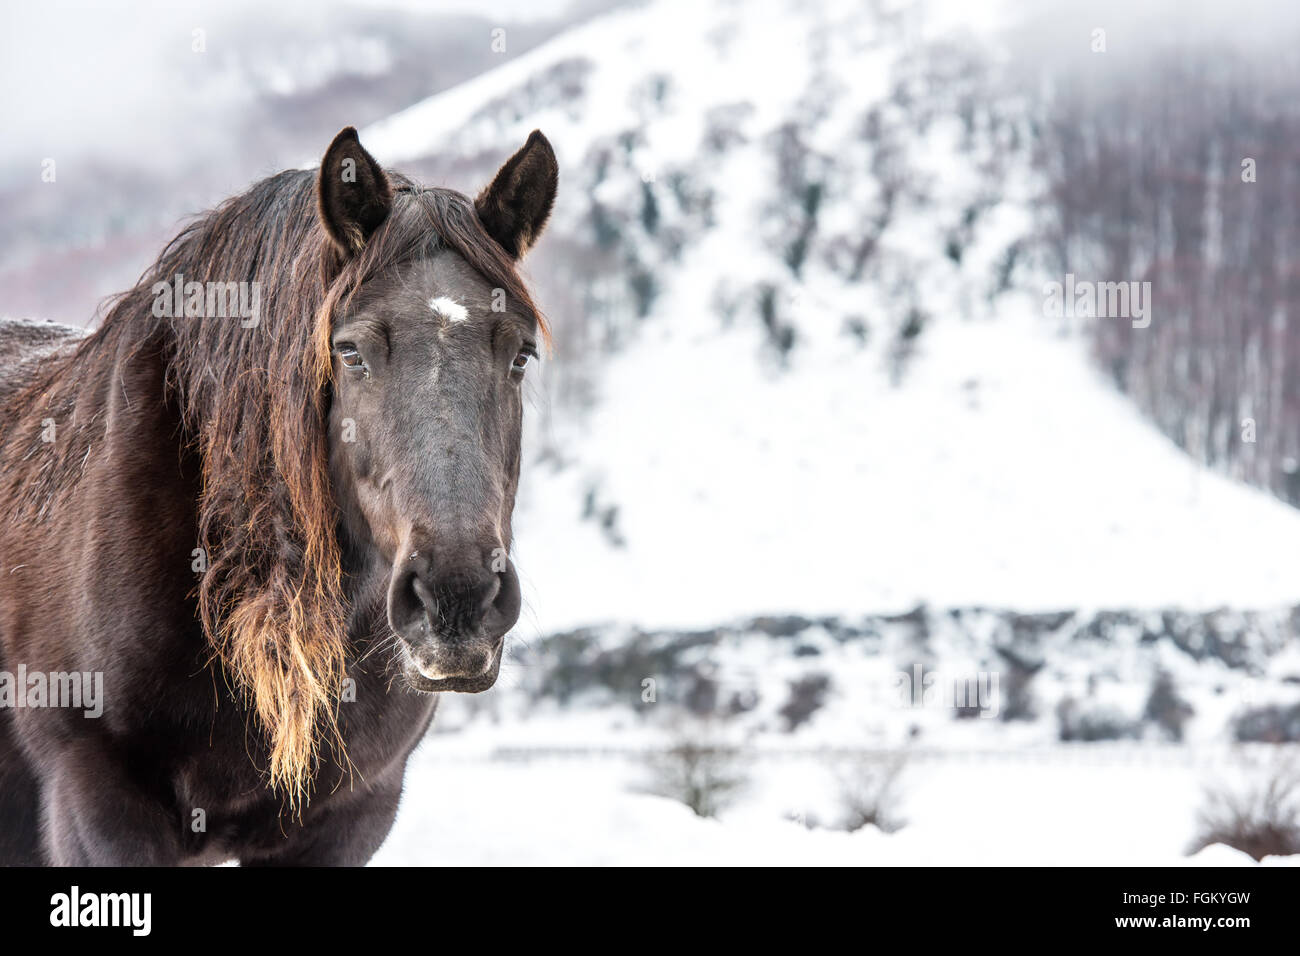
x: 259, y: 518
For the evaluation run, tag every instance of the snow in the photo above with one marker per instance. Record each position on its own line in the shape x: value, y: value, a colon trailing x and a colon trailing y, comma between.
x: 1050, y: 808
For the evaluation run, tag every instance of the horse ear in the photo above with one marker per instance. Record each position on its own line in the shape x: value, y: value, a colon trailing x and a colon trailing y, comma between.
x: 514, y: 209
x: 353, y: 193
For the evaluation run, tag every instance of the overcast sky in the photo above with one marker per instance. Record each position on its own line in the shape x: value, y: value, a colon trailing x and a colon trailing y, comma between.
x: 111, y: 75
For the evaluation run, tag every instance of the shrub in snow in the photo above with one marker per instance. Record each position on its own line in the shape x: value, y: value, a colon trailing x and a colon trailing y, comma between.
x: 699, y: 771
x: 869, y: 791
x: 1260, y: 815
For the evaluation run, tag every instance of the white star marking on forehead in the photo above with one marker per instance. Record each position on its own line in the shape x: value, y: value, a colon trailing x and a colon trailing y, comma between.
x: 449, y: 308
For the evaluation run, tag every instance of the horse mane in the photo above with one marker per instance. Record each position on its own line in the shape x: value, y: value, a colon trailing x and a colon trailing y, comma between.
x: 253, y: 404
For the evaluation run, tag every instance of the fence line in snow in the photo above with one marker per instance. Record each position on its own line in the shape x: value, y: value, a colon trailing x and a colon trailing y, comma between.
x: 1099, y: 754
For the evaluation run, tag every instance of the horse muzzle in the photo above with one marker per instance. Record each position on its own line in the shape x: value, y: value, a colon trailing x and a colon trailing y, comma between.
x: 452, y: 616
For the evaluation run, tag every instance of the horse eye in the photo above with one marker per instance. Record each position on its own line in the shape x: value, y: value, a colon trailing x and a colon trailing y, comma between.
x: 521, y: 361
x: 350, y: 357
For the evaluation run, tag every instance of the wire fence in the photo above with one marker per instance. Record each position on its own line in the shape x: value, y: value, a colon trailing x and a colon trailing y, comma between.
x: 1095, y: 754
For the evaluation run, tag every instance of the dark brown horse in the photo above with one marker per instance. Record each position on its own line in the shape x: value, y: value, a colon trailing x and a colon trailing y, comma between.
x: 257, y: 519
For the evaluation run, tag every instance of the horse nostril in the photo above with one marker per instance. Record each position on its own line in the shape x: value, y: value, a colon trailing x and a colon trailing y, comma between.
x: 411, y: 605
x: 507, y: 599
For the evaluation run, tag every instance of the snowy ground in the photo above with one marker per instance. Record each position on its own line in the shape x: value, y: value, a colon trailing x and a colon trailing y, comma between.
x: 1055, y: 807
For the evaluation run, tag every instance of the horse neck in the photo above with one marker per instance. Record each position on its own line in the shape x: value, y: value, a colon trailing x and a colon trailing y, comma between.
x: 84, y: 406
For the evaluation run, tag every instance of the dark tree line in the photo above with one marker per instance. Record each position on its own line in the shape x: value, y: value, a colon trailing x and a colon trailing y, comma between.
x: 1184, y: 171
